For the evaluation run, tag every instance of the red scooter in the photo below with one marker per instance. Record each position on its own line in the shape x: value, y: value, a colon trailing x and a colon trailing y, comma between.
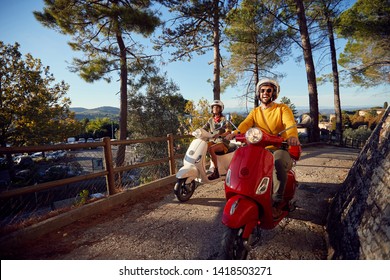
x: 248, y: 190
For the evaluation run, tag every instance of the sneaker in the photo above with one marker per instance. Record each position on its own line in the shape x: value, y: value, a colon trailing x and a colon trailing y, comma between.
x: 214, y: 176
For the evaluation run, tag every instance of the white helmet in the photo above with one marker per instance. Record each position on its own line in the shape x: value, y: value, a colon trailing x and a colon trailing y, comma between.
x: 218, y: 103
x: 267, y: 81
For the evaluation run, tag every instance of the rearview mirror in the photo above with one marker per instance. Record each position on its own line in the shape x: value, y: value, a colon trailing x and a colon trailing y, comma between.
x: 228, y: 117
x: 229, y: 120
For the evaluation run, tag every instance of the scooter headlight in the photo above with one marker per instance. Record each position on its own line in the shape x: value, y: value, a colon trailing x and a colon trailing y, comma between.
x: 254, y: 135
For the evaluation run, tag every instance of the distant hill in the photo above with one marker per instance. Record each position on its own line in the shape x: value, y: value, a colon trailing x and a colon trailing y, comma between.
x: 100, y: 112
x: 113, y: 112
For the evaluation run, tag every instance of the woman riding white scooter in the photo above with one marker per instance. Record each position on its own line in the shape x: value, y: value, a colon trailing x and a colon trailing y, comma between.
x: 194, y: 169
x: 219, y: 144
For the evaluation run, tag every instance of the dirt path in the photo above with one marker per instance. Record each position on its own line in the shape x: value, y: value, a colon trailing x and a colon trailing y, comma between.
x: 160, y: 227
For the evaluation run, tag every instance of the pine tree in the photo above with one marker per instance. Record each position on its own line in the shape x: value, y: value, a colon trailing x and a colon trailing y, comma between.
x: 257, y: 42
x: 367, y: 52
x: 102, y: 30
x: 195, y: 27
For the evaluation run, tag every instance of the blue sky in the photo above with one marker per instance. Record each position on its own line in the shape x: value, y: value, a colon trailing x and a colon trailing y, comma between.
x: 17, y: 24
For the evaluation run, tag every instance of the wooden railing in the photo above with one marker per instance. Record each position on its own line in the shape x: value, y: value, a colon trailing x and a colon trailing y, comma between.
x: 109, y: 169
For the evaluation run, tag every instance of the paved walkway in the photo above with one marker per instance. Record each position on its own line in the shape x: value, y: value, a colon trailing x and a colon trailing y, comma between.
x: 160, y: 227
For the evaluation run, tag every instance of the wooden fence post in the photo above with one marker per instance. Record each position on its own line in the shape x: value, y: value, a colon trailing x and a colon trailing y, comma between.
x: 110, y: 178
x: 171, y: 155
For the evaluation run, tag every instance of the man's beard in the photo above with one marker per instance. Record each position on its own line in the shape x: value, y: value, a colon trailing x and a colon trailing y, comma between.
x: 268, y: 101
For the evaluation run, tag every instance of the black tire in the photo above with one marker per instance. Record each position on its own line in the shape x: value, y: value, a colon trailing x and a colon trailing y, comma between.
x: 184, y: 191
x: 233, y: 244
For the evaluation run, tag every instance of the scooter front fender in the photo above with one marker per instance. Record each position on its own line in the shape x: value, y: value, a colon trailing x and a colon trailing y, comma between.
x: 187, y: 171
x: 241, y: 211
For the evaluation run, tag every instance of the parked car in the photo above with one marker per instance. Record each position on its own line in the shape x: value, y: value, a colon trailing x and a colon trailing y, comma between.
x: 61, y: 171
x: 23, y: 161
x: 56, y: 155
x: 24, y: 174
x: 37, y: 155
x: 90, y: 140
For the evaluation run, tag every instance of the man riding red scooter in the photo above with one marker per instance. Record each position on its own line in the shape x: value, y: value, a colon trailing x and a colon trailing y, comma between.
x: 256, y: 181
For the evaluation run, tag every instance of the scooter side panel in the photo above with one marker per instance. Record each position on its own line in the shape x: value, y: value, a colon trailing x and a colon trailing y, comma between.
x: 188, y: 171
x: 240, y: 211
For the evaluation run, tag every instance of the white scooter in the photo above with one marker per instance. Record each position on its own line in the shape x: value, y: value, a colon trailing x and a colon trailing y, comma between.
x: 193, y: 172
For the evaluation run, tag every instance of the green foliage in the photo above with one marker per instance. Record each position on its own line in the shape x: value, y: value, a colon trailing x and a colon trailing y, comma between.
x: 195, y: 28
x: 361, y: 133
x: 101, y: 127
x: 323, y: 118
x: 367, y: 52
x: 192, y: 27
x: 196, y: 115
x: 257, y: 43
x: 33, y: 109
x: 345, y: 121
x: 353, y: 120
x: 82, y: 198
x: 154, y: 110
x: 368, y: 19
x: 287, y: 101
x: 94, y: 26
x: 103, y: 31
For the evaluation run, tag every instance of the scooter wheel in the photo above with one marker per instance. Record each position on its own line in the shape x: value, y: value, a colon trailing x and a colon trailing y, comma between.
x: 184, y: 191
x: 233, y: 245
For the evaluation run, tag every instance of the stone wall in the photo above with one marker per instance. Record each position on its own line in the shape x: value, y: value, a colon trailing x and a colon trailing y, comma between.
x: 359, y: 218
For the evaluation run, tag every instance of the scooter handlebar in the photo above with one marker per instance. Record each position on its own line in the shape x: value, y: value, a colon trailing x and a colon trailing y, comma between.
x: 266, y: 139
x: 274, y: 140
x: 240, y: 137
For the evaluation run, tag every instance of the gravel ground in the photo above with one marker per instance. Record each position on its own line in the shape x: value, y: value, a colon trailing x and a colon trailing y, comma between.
x: 161, y: 228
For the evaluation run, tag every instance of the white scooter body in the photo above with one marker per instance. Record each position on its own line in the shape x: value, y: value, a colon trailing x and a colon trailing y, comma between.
x: 194, y: 162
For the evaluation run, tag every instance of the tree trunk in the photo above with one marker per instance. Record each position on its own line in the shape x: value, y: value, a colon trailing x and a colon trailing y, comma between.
x: 123, y: 100
x: 217, y: 54
x: 314, y: 135
x: 256, y: 76
x: 336, y: 85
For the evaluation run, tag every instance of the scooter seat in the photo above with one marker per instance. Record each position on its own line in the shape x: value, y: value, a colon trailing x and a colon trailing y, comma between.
x: 232, y: 148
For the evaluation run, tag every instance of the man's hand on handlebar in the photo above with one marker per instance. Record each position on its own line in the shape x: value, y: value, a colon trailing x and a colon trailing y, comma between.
x: 230, y: 136
x: 293, y: 141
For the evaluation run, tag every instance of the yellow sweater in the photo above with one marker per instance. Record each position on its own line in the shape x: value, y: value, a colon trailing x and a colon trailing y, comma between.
x: 278, y: 117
